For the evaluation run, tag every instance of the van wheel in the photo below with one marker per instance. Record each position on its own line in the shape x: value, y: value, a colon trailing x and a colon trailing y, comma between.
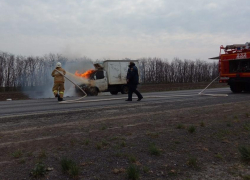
x: 124, y: 89
x: 236, y: 87
x: 114, y: 92
x: 93, y: 91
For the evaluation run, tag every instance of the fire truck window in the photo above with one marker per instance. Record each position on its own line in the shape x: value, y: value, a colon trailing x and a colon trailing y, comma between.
x: 245, y: 66
x: 234, y: 66
x: 99, y: 75
x: 239, y: 66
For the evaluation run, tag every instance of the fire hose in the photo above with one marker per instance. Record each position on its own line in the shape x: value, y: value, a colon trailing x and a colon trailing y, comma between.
x: 85, y: 94
x: 201, y: 93
x: 110, y: 99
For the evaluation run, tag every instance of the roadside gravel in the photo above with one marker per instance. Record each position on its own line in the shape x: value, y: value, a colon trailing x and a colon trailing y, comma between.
x: 104, y: 142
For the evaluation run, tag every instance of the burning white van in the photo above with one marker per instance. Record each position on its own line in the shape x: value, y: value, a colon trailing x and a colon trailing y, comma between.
x: 109, y: 76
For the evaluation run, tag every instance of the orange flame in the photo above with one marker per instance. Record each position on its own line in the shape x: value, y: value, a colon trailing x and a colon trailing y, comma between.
x: 86, y: 74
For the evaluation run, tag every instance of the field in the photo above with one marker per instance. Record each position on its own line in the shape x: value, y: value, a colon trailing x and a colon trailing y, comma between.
x: 193, y: 140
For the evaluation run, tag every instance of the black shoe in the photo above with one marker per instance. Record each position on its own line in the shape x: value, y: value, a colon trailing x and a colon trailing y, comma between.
x: 56, y: 95
x: 128, y: 100
x: 139, y: 99
x: 60, y: 99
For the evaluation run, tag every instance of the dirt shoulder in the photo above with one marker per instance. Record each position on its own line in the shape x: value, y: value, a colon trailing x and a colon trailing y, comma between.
x: 13, y: 95
x: 157, y: 141
x: 178, y: 86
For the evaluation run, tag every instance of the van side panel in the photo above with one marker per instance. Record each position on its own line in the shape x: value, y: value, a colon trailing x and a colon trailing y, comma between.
x: 114, y: 73
x: 117, y: 71
x: 124, y: 70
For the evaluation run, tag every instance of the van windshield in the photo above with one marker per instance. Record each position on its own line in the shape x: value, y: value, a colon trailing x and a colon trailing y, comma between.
x: 91, y: 76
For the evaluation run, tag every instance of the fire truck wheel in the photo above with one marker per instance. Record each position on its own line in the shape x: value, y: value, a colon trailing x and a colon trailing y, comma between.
x: 236, y: 87
x: 124, y: 89
x: 93, y: 91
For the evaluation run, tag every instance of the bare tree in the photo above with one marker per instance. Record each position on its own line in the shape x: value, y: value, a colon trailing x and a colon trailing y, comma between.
x: 23, y: 71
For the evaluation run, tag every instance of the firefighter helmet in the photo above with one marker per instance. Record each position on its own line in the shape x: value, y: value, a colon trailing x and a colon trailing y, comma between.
x: 58, y: 64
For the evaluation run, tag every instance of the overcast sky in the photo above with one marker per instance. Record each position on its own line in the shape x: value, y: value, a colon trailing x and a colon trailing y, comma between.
x: 116, y: 29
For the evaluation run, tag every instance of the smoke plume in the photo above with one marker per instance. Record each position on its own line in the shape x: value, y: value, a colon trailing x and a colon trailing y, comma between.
x: 45, y: 91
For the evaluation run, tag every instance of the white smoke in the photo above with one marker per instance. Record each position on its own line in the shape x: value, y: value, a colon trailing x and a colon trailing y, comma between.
x: 71, y: 67
x: 81, y: 65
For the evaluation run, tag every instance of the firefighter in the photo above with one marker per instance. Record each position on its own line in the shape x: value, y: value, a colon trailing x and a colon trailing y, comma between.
x: 133, y: 81
x: 58, y: 81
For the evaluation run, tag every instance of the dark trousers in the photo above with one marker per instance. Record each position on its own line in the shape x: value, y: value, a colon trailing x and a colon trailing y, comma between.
x: 132, y: 89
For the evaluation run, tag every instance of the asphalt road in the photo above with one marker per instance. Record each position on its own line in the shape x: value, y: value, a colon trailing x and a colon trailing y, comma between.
x: 51, y: 105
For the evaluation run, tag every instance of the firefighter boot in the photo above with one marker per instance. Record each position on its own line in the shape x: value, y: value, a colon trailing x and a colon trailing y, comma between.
x: 60, y: 99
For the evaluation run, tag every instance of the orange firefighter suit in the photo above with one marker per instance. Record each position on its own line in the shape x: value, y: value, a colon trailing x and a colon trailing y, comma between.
x: 58, y: 81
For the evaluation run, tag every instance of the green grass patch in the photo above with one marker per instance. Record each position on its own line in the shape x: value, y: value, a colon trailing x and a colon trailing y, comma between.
x: 73, y: 142
x: 223, y: 133
x: 66, y: 164
x: 154, y: 150
x: 17, y: 154
x: 229, y: 125
x: 145, y: 169
x: 133, y: 172
x: 42, y: 155
x: 192, y: 162
x: 123, y: 144
x: 119, y: 154
x: 38, y: 171
x: 246, y: 177
x: 29, y: 154
x: 246, y: 126
x: 153, y: 134
x: 98, y: 146
x: 180, y: 126
x: 202, y: 124
x: 22, y: 161
x: 86, y: 142
x: 70, y: 167
x: 104, y: 127
x: 74, y: 170
x: 219, y: 156
x: 132, y: 159
x: 114, y: 138
x: 104, y: 143
x: 191, y: 129
x: 245, y: 153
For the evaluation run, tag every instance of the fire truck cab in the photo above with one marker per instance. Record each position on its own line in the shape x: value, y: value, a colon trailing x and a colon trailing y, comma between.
x: 234, y: 66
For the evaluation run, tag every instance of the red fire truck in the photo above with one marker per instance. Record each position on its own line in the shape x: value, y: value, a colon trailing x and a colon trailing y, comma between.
x: 234, y: 66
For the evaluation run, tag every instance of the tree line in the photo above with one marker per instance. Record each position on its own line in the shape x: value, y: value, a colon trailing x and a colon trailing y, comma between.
x: 156, y: 70
x: 21, y: 71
